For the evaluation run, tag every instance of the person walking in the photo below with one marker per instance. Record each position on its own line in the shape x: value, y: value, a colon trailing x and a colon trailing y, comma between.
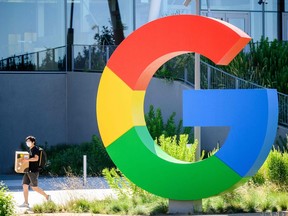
x: 30, y: 178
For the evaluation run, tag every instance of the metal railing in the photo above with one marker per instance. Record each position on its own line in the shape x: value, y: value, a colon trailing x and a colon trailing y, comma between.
x: 45, y: 60
x: 93, y: 58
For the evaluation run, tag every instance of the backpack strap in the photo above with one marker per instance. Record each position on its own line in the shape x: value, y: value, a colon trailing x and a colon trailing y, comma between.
x: 40, y: 155
x: 40, y: 158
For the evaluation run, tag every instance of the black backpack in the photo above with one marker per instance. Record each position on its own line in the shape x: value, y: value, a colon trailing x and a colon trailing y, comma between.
x: 42, y: 159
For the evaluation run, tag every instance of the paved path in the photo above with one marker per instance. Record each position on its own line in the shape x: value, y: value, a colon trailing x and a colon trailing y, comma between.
x: 14, y: 183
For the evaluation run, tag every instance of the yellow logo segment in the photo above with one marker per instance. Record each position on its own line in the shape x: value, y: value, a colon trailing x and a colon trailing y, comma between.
x: 116, y: 101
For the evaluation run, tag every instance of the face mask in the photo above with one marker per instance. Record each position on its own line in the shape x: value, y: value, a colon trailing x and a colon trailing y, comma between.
x: 28, y: 144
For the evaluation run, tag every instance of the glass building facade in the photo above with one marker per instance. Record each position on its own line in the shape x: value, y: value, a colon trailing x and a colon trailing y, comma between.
x: 29, y: 26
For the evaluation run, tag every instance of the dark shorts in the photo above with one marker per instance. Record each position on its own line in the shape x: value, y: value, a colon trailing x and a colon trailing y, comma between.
x: 31, y: 178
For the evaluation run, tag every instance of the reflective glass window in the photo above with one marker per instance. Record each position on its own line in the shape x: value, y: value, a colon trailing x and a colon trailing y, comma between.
x: 31, y: 25
x: 90, y: 17
x: 147, y: 10
x: 271, y: 5
x: 256, y: 25
x: 271, y: 27
x: 231, y: 5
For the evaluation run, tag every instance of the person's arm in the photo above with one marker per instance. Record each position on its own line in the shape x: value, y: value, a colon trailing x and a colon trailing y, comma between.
x: 33, y: 159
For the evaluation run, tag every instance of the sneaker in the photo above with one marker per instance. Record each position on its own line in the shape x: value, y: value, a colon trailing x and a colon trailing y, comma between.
x: 49, y: 198
x: 24, y: 205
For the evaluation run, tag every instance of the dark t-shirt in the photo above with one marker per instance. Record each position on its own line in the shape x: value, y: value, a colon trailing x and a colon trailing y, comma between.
x: 33, y: 166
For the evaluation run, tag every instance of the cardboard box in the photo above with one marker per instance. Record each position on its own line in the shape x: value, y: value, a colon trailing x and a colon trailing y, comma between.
x: 20, y: 166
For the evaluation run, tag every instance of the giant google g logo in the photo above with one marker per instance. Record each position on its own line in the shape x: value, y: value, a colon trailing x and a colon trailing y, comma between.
x: 251, y: 114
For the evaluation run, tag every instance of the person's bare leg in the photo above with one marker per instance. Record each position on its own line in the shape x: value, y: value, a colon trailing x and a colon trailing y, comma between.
x: 25, y: 192
x: 40, y: 191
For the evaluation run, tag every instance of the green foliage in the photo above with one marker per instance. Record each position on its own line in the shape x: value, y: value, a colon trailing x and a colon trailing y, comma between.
x: 259, y: 178
x: 135, y: 199
x: 79, y: 206
x: 179, y: 149
x: 274, y: 170
x: 46, y: 207
x: 247, y: 198
x: 124, y: 187
x: 64, y: 158
x: 157, y: 127
x: 282, y: 201
x: 6, y: 201
x: 277, y: 165
x: 116, y: 180
x: 174, y: 68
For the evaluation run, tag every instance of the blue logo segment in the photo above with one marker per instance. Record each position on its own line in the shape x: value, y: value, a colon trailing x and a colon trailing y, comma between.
x: 252, y: 116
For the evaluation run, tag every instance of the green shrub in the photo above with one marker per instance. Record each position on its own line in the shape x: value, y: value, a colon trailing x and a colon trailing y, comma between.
x: 261, y: 176
x: 6, y: 201
x: 157, y: 127
x: 46, y: 207
x: 99, y: 206
x: 274, y: 170
x: 160, y: 208
x: 131, y: 198
x: 178, y: 149
x: 247, y: 198
x: 79, y: 206
x: 277, y: 165
x: 175, y: 67
x: 282, y: 201
x: 64, y: 158
x: 258, y: 178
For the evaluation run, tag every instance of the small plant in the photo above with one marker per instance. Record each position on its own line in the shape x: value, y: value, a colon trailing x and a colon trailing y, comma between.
x: 136, y: 200
x: 277, y: 168
x: 282, y: 202
x: 69, y: 158
x: 79, y: 206
x: 178, y: 149
x: 99, y: 206
x: 175, y: 67
x: 157, y: 127
x: 6, y: 201
x: 46, y: 207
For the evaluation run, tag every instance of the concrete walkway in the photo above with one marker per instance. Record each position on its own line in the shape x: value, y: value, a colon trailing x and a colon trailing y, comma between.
x: 14, y: 183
